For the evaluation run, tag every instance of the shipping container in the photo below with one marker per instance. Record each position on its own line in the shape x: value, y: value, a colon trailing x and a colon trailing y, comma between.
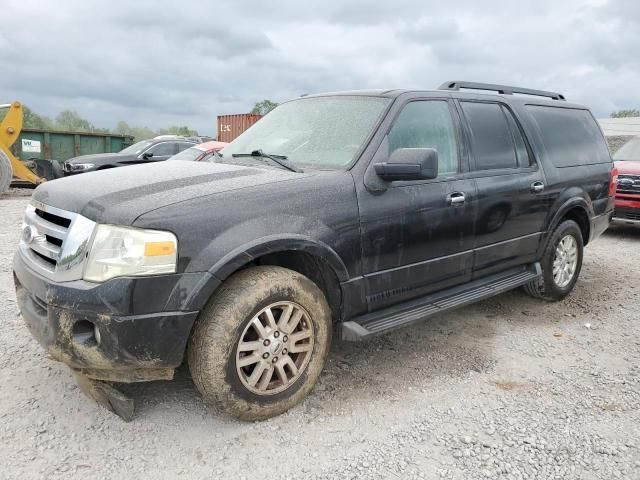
x: 60, y: 146
x: 230, y: 126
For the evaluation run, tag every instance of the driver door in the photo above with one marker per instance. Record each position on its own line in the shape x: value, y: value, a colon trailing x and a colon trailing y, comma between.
x: 415, y: 238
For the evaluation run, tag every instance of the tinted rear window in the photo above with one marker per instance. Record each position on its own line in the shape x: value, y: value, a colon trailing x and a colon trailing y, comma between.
x: 571, y: 137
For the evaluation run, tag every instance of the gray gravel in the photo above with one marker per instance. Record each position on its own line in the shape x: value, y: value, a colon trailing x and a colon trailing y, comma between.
x: 510, y: 388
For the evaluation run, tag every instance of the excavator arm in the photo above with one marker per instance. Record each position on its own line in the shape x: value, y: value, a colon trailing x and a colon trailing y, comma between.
x: 10, y: 129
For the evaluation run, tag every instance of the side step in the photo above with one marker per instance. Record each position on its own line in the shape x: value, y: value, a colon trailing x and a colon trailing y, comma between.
x: 397, y: 316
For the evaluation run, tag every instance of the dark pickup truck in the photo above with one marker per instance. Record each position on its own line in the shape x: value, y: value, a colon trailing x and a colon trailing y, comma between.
x: 349, y: 213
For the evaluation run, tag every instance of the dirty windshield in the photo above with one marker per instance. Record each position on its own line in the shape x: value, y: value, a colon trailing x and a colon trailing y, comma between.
x: 321, y: 132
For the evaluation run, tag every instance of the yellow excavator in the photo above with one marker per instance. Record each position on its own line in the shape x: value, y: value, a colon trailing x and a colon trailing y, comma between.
x: 10, y: 166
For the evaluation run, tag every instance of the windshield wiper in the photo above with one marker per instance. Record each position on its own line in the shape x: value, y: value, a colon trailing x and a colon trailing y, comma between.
x: 279, y: 159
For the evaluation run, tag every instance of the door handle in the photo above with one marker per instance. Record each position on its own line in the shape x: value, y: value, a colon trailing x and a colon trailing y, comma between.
x: 456, y: 199
x: 537, y: 187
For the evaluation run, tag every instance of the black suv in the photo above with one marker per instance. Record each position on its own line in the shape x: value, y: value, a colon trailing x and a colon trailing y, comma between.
x: 153, y: 150
x: 354, y: 213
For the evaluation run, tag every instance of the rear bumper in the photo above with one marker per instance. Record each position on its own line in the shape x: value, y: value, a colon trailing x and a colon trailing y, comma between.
x: 77, y: 324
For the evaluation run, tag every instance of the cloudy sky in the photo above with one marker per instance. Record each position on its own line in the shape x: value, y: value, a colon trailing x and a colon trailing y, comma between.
x: 187, y: 62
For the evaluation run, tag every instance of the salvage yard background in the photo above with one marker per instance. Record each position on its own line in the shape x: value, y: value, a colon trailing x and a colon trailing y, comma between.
x: 508, y: 388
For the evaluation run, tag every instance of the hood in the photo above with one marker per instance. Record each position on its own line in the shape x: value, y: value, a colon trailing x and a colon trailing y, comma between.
x: 121, y: 195
x: 92, y: 158
x: 628, y: 168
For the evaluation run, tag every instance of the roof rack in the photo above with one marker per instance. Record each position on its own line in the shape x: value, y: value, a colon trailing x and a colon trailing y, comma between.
x: 503, y: 89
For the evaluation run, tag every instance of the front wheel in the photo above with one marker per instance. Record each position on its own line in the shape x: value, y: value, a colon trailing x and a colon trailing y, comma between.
x: 259, y: 346
x: 561, y: 263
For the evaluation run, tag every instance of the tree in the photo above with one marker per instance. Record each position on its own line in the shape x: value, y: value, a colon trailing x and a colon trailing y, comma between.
x: 30, y: 119
x: 73, y: 122
x: 626, y: 113
x: 263, y: 107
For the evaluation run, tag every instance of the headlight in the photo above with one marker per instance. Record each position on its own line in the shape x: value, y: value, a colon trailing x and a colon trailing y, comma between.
x: 123, y: 251
x: 76, y: 167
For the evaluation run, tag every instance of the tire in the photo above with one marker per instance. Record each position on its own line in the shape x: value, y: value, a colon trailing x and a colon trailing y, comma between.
x: 547, y: 287
x: 230, y: 320
x: 6, y: 172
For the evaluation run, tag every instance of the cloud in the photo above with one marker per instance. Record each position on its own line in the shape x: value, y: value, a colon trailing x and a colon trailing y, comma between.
x: 186, y: 62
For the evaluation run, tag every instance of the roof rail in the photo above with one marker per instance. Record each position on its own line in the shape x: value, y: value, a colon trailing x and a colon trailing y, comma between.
x: 503, y: 89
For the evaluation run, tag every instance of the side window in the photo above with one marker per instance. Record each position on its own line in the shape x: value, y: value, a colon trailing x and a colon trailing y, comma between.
x: 491, y: 138
x: 570, y: 136
x: 521, y: 147
x: 184, y: 145
x: 427, y: 124
x: 163, y: 149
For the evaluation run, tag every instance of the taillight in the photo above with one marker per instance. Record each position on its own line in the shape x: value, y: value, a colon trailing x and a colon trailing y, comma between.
x: 613, y: 181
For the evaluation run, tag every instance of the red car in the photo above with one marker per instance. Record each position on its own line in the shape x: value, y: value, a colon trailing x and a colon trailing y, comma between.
x: 201, y: 152
x: 627, y: 161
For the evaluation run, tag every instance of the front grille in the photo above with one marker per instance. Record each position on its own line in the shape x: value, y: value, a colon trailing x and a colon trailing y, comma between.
x: 47, y: 234
x: 55, y: 219
x: 55, y: 242
x: 628, y: 184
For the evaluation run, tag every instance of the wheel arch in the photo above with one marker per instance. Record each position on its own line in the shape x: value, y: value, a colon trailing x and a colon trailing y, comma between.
x: 314, y: 259
x: 576, y: 209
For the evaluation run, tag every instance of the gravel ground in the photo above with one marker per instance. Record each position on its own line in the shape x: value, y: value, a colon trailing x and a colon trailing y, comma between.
x: 510, y: 388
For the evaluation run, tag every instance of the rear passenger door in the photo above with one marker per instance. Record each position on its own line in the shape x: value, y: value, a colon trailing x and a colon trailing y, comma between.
x: 510, y: 185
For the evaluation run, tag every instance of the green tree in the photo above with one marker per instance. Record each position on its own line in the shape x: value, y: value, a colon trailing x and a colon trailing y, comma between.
x: 73, y: 122
x: 626, y: 113
x: 30, y: 119
x: 263, y: 107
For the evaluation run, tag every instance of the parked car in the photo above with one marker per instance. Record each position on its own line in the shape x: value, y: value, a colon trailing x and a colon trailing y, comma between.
x: 627, y: 161
x: 356, y: 212
x: 153, y: 150
x: 203, y: 152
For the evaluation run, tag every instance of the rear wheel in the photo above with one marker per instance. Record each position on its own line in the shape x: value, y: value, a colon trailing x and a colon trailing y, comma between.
x: 260, y: 345
x: 561, y: 263
x: 6, y: 172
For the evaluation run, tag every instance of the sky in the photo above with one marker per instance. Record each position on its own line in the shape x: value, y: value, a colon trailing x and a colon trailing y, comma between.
x: 158, y: 63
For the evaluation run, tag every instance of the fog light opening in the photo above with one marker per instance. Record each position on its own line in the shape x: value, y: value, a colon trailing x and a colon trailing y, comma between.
x: 86, y: 333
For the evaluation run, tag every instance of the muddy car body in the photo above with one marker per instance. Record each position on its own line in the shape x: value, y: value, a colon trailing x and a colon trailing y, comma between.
x: 357, y: 212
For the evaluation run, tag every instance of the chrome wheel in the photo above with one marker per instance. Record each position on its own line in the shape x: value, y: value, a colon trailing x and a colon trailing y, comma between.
x: 275, y: 348
x: 565, y: 261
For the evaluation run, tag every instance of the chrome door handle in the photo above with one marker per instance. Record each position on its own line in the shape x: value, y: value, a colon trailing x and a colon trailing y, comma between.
x: 455, y: 199
x: 537, y: 187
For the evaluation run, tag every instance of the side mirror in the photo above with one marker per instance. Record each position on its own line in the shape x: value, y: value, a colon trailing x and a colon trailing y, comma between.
x: 409, y: 164
x: 147, y: 155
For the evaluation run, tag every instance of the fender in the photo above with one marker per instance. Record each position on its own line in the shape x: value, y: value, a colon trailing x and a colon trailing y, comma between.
x: 248, y: 252
x: 278, y: 243
x: 568, y: 204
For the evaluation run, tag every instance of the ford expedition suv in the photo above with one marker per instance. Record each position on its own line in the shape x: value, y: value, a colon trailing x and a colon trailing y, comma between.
x: 349, y: 213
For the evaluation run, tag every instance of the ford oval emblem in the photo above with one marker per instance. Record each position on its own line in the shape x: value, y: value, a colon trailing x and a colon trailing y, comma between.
x: 28, y: 234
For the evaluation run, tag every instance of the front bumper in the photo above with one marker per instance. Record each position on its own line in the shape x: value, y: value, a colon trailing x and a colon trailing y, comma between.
x: 124, y: 330
x: 627, y: 210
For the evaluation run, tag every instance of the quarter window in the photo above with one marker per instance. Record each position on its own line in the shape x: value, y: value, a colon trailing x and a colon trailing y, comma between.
x: 427, y: 124
x: 491, y: 138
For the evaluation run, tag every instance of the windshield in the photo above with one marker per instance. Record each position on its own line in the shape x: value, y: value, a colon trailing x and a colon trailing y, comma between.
x: 136, y: 148
x: 323, y: 132
x: 190, y: 154
x: 629, y: 151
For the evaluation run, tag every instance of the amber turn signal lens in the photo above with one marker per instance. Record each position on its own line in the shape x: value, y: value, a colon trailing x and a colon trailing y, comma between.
x: 159, y: 249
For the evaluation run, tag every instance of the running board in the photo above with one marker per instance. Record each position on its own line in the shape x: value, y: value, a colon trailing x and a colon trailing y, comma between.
x: 397, y: 316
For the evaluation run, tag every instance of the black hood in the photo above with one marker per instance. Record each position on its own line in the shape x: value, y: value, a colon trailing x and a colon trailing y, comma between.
x: 121, y: 195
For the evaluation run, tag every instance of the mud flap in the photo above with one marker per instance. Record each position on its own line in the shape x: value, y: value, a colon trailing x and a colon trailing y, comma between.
x: 106, y: 396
